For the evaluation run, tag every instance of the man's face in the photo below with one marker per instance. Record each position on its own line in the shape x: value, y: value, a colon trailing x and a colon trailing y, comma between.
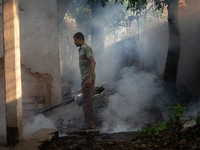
x: 77, y: 41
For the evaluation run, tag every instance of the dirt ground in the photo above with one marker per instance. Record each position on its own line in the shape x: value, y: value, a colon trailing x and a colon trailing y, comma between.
x: 171, y: 139
x: 86, y: 141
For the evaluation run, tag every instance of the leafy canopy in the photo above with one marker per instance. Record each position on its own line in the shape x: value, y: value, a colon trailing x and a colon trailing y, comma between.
x: 136, y: 5
x: 132, y: 4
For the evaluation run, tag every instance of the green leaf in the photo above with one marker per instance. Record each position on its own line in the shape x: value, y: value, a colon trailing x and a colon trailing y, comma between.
x: 198, y: 120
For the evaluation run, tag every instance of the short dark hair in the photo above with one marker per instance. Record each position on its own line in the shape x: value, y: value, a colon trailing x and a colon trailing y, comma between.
x: 79, y: 35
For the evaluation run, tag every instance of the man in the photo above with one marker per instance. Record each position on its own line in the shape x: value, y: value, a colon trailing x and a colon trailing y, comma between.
x: 87, y: 66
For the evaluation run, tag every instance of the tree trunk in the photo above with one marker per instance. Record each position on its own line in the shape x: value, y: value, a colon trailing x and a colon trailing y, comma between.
x: 171, y: 67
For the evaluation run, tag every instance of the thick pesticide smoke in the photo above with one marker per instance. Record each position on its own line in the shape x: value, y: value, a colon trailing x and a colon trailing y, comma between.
x: 134, y: 91
x: 146, y: 48
x: 125, y: 107
x: 152, y: 48
x: 149, y: 51
x: 38, y: 122
x: 193, y: 110
x: 68, y: 114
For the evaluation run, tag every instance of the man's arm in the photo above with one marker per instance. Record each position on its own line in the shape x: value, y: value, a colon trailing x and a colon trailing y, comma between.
x: 92, y: 67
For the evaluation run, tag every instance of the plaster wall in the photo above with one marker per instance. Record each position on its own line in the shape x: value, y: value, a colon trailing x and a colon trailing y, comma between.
x: 39, y: 40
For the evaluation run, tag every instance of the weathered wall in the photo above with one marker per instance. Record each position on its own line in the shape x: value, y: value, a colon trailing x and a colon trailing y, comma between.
x: 35, y: 97
x: 39, y: 40
x: 40, y: 53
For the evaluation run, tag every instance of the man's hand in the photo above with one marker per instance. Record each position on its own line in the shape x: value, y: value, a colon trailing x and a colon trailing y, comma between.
x: 88, y: 83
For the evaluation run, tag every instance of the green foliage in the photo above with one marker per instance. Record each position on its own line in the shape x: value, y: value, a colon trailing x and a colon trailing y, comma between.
x: 198, y: 120
x: 125, y: 18
x: 103, y: 2
x: 115, y: 18
x: 136, y: 5
x: 174, y: 116
x: 149, y: 131
x: 194, y: 131
x: 190, y: 138
x: 176, y: 111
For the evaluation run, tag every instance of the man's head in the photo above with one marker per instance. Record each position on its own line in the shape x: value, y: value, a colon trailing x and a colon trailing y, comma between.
x: 78, y: 39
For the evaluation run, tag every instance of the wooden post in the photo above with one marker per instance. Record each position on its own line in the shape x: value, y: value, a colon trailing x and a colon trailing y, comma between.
x: 12, y: 72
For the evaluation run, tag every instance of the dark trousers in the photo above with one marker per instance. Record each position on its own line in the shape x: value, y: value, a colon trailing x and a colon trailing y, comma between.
x: 87, y: 102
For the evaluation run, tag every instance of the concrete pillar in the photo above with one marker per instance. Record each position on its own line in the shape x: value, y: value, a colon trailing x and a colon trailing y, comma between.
x: 12, y: 72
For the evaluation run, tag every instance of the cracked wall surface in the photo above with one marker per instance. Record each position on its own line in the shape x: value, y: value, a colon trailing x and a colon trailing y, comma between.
x: 36, y: 94
x: 39, y: 40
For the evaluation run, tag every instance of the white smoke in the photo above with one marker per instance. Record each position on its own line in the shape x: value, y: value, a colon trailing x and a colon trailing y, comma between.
x: 37, y: 123
x: 70, y: 113
x: 152, y: 47
x: 192, y: 110
x: 135, y: 89
x: 125, y: 108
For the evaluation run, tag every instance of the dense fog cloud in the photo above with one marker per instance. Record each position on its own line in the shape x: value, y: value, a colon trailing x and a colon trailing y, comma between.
x: 134, y: 91
x: 38, y: 122
x: 64, y: 115
x: 149, y: 51
x: 117, y: 65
